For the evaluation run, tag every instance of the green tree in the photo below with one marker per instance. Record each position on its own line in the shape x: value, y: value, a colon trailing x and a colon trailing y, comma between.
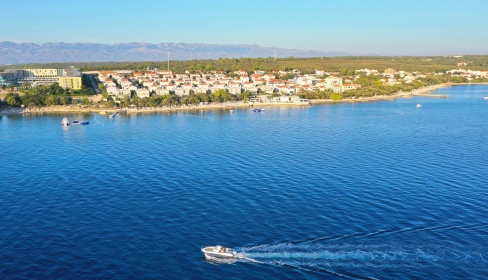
x: 85, y: 101
x: 336, y: 96
x: 65, y: 100
x: 155, y: 101
x: 193, y: 99
x: 13, y: 99
x: 52, y: 100
x: 169, y: 100
x: 125, y: 102
x: 288, y: 76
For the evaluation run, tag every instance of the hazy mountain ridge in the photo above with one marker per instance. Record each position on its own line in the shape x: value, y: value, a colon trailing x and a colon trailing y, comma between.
x: 16, y: 53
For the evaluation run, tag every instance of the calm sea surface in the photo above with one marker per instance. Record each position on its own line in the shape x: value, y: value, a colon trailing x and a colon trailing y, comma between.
x: 347, y: 191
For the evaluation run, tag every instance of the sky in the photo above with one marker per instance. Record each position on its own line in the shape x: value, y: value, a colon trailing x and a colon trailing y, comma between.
x: 357, y: 27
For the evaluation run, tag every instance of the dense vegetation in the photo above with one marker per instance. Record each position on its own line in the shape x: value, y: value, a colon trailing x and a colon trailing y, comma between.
x: 306, y: 65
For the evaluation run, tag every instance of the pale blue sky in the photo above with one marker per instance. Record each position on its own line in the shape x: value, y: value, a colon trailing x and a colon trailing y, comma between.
x: 387, y: 27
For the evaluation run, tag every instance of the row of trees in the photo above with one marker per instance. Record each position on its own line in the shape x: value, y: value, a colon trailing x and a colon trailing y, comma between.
x: 36, y: 99
x: 154, y: 100
x: 47, y: 95
x: 305, y: 65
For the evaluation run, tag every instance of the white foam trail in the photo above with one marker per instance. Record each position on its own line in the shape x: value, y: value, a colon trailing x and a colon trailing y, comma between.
x: 348, y: 255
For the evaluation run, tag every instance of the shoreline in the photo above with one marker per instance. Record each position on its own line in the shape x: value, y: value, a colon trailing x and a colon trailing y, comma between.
x: 422, y: 92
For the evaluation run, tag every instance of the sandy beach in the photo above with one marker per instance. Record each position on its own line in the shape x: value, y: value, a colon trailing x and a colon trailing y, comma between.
x: 424, y: 92
x: 8, y: 110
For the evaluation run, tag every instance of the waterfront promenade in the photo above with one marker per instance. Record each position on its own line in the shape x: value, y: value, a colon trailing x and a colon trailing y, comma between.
x: 426, y: 92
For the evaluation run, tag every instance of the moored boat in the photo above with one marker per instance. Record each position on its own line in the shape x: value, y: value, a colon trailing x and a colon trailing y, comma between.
x: 85, y: 122
x: 218, y: 251
x: 257, y: 110
x: 75, y: 122
x: 485, y: 97
x: 65, y: 121
x: 419, y: 105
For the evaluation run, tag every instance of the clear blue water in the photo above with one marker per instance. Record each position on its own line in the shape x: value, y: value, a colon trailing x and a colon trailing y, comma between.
x: 347, y: 191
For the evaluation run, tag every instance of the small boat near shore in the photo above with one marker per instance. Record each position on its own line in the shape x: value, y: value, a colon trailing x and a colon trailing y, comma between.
x: 259, y: 110
x: 485, y: 97
x: 219, y: 251
x: 65, y: 121
x: 419, y: 105
x: 82, y: 122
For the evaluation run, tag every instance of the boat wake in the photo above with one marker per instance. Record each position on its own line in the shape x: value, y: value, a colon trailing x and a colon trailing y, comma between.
x: 359, y: 254
x: 352, y: 260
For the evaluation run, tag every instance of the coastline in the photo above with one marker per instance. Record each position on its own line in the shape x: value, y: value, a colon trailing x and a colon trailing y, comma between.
x: 422, y: 92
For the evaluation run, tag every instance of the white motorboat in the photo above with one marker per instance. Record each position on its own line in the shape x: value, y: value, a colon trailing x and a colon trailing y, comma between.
x: 419, y: 105
x: 485, y: 97
x: 65, y: 121
x: 218, y: 251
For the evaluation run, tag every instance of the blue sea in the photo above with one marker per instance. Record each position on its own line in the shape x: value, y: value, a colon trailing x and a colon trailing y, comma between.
x: 379, y: 190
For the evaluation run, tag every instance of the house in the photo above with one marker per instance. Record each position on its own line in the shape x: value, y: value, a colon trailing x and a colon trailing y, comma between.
x: 240, y: 72
x: 161, y: 91
x: 119, y: 93
x: 234, y: 90
x: 336, y: 88
x: 288, y: 90
x: 244, y: 79
x: 109, y: 83
x: 320, y: 83
x: 219, y: 75
x: 330, y: 82
x: 187, y: 86
x: 142, y: 92
x: 153, y: 87
x: 268, y: 89
x: 112, y: 89
x: 304, y: 80
x: 255, y: 77
x: 181, y: 92
x: 182, y: 76
x: 346, y: 87
x: 138, y: 75
x: 297, y: 100
x: 195, y: 76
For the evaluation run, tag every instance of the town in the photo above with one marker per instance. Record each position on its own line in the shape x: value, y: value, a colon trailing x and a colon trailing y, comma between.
x: 122, y: 87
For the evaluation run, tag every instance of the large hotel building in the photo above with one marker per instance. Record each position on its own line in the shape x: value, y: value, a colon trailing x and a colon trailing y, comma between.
x: 66, y: 78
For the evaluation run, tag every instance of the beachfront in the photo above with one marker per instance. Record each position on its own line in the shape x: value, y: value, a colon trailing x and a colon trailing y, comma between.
x: 426, y: 92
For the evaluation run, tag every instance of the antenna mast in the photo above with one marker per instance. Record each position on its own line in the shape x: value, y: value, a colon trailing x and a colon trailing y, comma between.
x: 168, y: 60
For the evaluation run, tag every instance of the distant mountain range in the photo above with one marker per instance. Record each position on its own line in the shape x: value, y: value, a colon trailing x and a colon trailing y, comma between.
x: 18, y: 53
